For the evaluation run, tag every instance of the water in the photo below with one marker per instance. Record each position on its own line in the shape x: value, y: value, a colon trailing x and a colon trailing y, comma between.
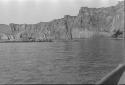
x: 70, y: 62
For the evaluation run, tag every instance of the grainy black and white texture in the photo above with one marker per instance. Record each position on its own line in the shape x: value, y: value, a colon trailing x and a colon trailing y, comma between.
x: 60, y: 41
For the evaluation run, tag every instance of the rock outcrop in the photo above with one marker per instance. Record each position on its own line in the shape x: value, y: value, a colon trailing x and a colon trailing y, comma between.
x: 89, y: 22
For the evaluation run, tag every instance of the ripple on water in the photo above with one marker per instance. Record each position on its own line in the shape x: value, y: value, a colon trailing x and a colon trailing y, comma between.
x: 82, y: 61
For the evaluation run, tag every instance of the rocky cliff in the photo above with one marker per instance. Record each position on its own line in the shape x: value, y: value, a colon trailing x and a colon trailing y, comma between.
x: 89, y: 22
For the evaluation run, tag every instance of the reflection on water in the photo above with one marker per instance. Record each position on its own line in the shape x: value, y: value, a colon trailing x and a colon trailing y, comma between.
x: 69, y: 62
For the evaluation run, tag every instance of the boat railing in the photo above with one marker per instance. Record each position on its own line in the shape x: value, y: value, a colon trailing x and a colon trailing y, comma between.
x: 113, y: 77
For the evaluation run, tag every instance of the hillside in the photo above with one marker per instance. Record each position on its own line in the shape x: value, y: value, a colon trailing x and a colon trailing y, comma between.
x: 5, y: 28
x: 108, y: 21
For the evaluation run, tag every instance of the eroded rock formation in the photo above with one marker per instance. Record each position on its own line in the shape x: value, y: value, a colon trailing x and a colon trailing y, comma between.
x: 88, y: 22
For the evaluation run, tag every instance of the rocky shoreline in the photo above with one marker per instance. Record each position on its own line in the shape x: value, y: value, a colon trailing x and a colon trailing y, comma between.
x: 105, y: 21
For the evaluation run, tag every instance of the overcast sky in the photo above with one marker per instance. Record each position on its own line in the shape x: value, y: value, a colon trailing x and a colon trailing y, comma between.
x: 34, y: 11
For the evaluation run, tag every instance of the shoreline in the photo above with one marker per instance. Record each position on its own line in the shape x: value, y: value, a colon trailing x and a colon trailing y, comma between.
x: 9, y: 41
x: 1, y: 41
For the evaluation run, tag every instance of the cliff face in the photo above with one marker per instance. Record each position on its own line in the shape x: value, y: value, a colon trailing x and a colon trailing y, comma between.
x: 89, y: 22
x: 56, y: 29
x: 109, y: 20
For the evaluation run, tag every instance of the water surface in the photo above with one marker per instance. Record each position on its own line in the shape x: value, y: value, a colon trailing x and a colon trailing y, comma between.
x: 70, y: 62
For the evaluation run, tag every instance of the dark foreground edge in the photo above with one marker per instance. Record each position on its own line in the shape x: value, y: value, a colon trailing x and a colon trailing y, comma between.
x: 113, y: 77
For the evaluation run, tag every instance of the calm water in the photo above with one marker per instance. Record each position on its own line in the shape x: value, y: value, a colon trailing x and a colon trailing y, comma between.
x: 71, y: 62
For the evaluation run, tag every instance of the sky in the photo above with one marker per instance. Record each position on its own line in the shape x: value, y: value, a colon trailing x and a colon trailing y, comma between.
x: 34, y: 11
